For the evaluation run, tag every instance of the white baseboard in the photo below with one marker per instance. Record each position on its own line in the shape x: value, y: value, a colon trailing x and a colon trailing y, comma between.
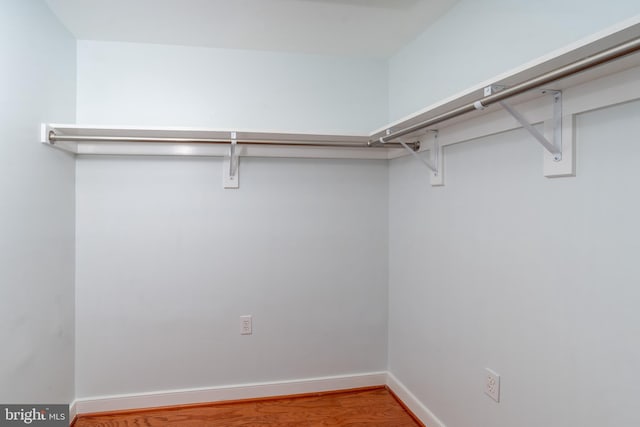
x: 72, y: 411
x: 256, y: 390
x: 419, y: 410
x: 233, y: 392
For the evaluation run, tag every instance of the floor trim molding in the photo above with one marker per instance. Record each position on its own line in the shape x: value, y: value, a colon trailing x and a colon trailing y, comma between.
x: 73, y: 413
x: 195, y: 396
x: 411, y: 401
x: 225, y: 393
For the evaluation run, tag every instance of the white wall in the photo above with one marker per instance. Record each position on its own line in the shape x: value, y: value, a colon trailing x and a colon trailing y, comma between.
x: 168, y: 260
x: 502, y: 268
x: 532, y: 277
x: 477, y: 40
x: 158, y: 85
x: 37, y: 83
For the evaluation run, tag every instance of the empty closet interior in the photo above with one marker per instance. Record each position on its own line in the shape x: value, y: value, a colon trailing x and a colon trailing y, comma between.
x: 410, y: 218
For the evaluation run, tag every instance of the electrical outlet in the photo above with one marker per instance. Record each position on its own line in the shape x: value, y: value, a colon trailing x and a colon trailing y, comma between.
x: 246, y: 325
x: 492, y: 384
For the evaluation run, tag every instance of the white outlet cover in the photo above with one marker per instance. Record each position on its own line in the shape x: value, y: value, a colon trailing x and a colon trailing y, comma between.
x: 246, y: 325
x: 492, y: 384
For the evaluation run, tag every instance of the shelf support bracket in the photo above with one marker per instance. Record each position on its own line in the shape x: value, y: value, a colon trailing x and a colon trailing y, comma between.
x: 434, y: 161
x: 230, y: 165
x: 427, y: 162
x: 554, y: 147
x: 436, y: 155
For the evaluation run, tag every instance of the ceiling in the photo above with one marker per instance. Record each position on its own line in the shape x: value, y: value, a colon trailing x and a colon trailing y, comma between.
x: 362, y: 28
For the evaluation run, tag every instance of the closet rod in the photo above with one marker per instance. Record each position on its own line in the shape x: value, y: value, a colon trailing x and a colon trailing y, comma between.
x: 53, y: 138
x: 599, y: 58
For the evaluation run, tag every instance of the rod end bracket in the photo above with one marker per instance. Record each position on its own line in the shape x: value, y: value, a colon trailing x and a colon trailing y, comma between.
x: 47, y: 134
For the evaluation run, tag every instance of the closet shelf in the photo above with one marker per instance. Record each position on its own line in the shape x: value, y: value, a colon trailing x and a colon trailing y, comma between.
x: 627, y: 33
x: 131, y: 140
x: 614, y: 51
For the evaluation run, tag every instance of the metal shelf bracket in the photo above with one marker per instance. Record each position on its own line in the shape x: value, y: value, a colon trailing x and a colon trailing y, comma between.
x: 434, y: 161
x: 436, y: 155
x: 230, y: 165
x: 554, y: 147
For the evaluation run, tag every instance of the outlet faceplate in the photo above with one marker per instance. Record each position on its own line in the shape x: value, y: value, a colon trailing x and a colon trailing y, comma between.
x: 246, y: 325
x: 492, y: 384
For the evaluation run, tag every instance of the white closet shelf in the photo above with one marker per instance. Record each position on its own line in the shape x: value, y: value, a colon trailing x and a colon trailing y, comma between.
x: 620, y: 34
x: 133, y: 140
x: 603, y: 54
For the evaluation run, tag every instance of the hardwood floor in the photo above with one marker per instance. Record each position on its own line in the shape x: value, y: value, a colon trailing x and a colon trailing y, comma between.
x: 367, y: 407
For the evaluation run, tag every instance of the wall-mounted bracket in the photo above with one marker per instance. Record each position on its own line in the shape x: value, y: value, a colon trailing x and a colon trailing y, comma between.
x: 434, y: 161
x: 558, y: 139
x: 230, y: 165
x: 437, y: 158
x: 553, y: 146
x: 44, y: 134
x: 490, y: 90
x: 565, y: 166
x: 47, y: 135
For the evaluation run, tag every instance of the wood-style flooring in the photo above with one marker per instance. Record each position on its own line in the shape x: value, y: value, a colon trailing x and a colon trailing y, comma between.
x: 375, y: 407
